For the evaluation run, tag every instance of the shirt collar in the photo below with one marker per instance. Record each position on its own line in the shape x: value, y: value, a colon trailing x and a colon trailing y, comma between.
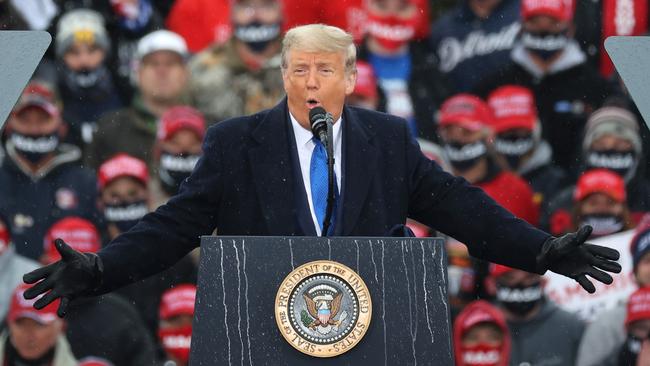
x: 304, y: 136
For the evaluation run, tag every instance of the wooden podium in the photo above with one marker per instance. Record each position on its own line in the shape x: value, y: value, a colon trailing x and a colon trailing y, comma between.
x: 239, y: 278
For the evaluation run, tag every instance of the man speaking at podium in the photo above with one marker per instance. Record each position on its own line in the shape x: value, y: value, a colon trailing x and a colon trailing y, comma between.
x: 266, y: 174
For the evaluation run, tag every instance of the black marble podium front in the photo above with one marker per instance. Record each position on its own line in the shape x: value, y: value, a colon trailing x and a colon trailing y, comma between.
x: 239, y: 277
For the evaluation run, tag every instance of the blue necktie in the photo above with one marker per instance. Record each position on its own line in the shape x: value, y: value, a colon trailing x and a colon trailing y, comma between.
x: 318, y: 180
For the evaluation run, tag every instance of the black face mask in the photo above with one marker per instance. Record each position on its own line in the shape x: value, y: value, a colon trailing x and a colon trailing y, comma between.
x: 257, y: 35
x: 125, y: 215
x: 464, y: 156
x: 514, y: 148
x: 603, y: 224
x: 87, y: 84
x: 35, y: 147
x: 174, y: 169
x: 545, y: 44
x: 520, y: 300
x: 620, y: 162
x: 630, y: 350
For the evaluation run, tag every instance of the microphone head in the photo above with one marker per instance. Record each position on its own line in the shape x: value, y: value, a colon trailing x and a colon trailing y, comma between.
x: 318, y: 121
x: 316, y: 113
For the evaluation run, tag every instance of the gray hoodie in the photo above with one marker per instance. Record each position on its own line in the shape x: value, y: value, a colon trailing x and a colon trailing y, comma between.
x: 550, y: 338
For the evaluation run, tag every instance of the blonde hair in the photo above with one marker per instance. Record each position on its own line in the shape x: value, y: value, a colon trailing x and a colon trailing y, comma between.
x: 320, y: 38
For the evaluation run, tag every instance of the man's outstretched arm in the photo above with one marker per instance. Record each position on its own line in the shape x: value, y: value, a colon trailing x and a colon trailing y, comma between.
x: 157, y: 242
x: 492, y: 233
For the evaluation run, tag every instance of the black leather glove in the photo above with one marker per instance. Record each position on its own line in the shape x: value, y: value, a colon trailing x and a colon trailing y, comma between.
x: 74, y: 275
x: 570, y: 256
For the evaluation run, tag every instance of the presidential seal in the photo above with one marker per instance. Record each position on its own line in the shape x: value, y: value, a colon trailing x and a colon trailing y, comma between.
x: 323, y: 308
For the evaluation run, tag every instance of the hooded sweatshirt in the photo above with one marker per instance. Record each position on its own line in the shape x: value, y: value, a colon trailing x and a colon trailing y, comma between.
x: 475, y: 313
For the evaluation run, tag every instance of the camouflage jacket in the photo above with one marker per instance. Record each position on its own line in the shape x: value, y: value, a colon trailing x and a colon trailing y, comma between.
x: 223, y: 87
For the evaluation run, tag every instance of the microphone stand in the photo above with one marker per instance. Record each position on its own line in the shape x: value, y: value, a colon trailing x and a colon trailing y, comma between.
x: 331, y: 194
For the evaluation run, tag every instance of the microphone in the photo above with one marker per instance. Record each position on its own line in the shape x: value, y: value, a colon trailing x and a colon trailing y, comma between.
x: 318, y: 118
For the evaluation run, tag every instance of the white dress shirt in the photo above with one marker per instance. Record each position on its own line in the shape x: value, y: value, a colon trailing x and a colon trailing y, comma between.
x: 305, y: 147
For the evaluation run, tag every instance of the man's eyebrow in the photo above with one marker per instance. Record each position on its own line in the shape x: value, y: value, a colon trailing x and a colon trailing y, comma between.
x: 299, y: 63
x: 325, y: 63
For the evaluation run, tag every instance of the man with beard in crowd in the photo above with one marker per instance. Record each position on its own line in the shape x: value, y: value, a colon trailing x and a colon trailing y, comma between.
x: 241, y: 76
x: 85, y: 82
x: 542, y: 333
x: 407, y: 75
x: 40, y: 177
x: 549, y: 61
x: 162, y: 75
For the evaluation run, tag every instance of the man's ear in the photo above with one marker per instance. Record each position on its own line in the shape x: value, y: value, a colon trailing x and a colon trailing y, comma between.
x: 350, y: 82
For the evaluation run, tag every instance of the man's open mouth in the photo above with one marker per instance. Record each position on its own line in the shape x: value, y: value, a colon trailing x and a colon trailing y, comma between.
x: 312, y: 103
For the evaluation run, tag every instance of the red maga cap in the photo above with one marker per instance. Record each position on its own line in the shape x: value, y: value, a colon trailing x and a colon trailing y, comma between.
x: 21, y: 308
x: 40, y: 95
x: 78, y: 233
x: 512, y: 107
x: 122, y: 165
x: 558, y: 9
x: 600, y: 181
x: 638, y: 306
x: 178, y: 118
x: 178, y: 301
x: 465, y: 110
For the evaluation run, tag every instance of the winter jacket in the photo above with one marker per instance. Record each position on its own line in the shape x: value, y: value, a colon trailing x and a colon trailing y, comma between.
x: 550, y: 338
x: 12, y: 269
x: 110, y: 328
x: 545, y: 179
x: 565, y: 95
x: 427, y: 87
x: 470, y: 48
x: 62, y: 356
x: 130, y: 130
x: 32, y: 202
x: 603, y: 337
x: 223, y: 87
